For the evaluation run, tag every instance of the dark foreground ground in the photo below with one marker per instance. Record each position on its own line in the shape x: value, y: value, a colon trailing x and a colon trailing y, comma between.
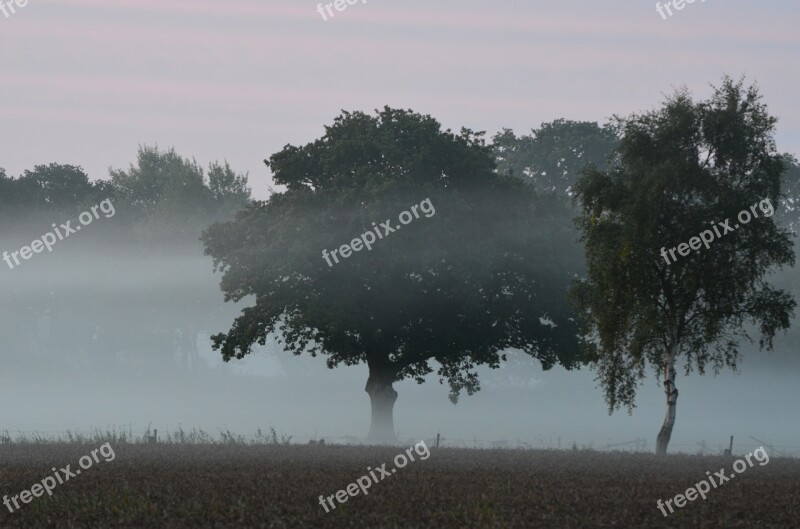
x: 279, y: 486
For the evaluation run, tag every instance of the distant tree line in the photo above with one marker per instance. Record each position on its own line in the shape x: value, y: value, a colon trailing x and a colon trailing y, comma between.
x: 163, y: 197
x: 131, y: 291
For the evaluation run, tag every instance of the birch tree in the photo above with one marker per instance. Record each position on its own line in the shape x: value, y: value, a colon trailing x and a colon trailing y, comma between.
x: 685, y: 170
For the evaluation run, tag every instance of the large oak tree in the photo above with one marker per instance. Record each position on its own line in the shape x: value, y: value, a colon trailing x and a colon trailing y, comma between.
x: 485, y: 273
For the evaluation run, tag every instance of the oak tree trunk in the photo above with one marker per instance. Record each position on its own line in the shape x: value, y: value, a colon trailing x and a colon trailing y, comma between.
x: 382, y: 397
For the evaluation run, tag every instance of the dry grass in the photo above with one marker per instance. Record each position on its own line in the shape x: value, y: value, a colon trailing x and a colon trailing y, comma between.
x: 234, y: 485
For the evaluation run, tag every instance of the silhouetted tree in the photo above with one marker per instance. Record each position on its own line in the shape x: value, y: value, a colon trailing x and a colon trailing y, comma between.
x: 171, y: 198
x: 552, y: 157
x: 483, y: 271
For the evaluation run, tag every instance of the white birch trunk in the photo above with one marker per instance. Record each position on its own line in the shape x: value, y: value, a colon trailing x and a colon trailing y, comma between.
x: 671, y: 393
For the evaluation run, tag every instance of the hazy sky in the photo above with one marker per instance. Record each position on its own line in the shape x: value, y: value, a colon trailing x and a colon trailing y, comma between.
x: 86, y: 81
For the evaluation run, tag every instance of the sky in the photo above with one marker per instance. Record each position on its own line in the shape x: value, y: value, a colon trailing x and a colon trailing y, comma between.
x: 85, y: 82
